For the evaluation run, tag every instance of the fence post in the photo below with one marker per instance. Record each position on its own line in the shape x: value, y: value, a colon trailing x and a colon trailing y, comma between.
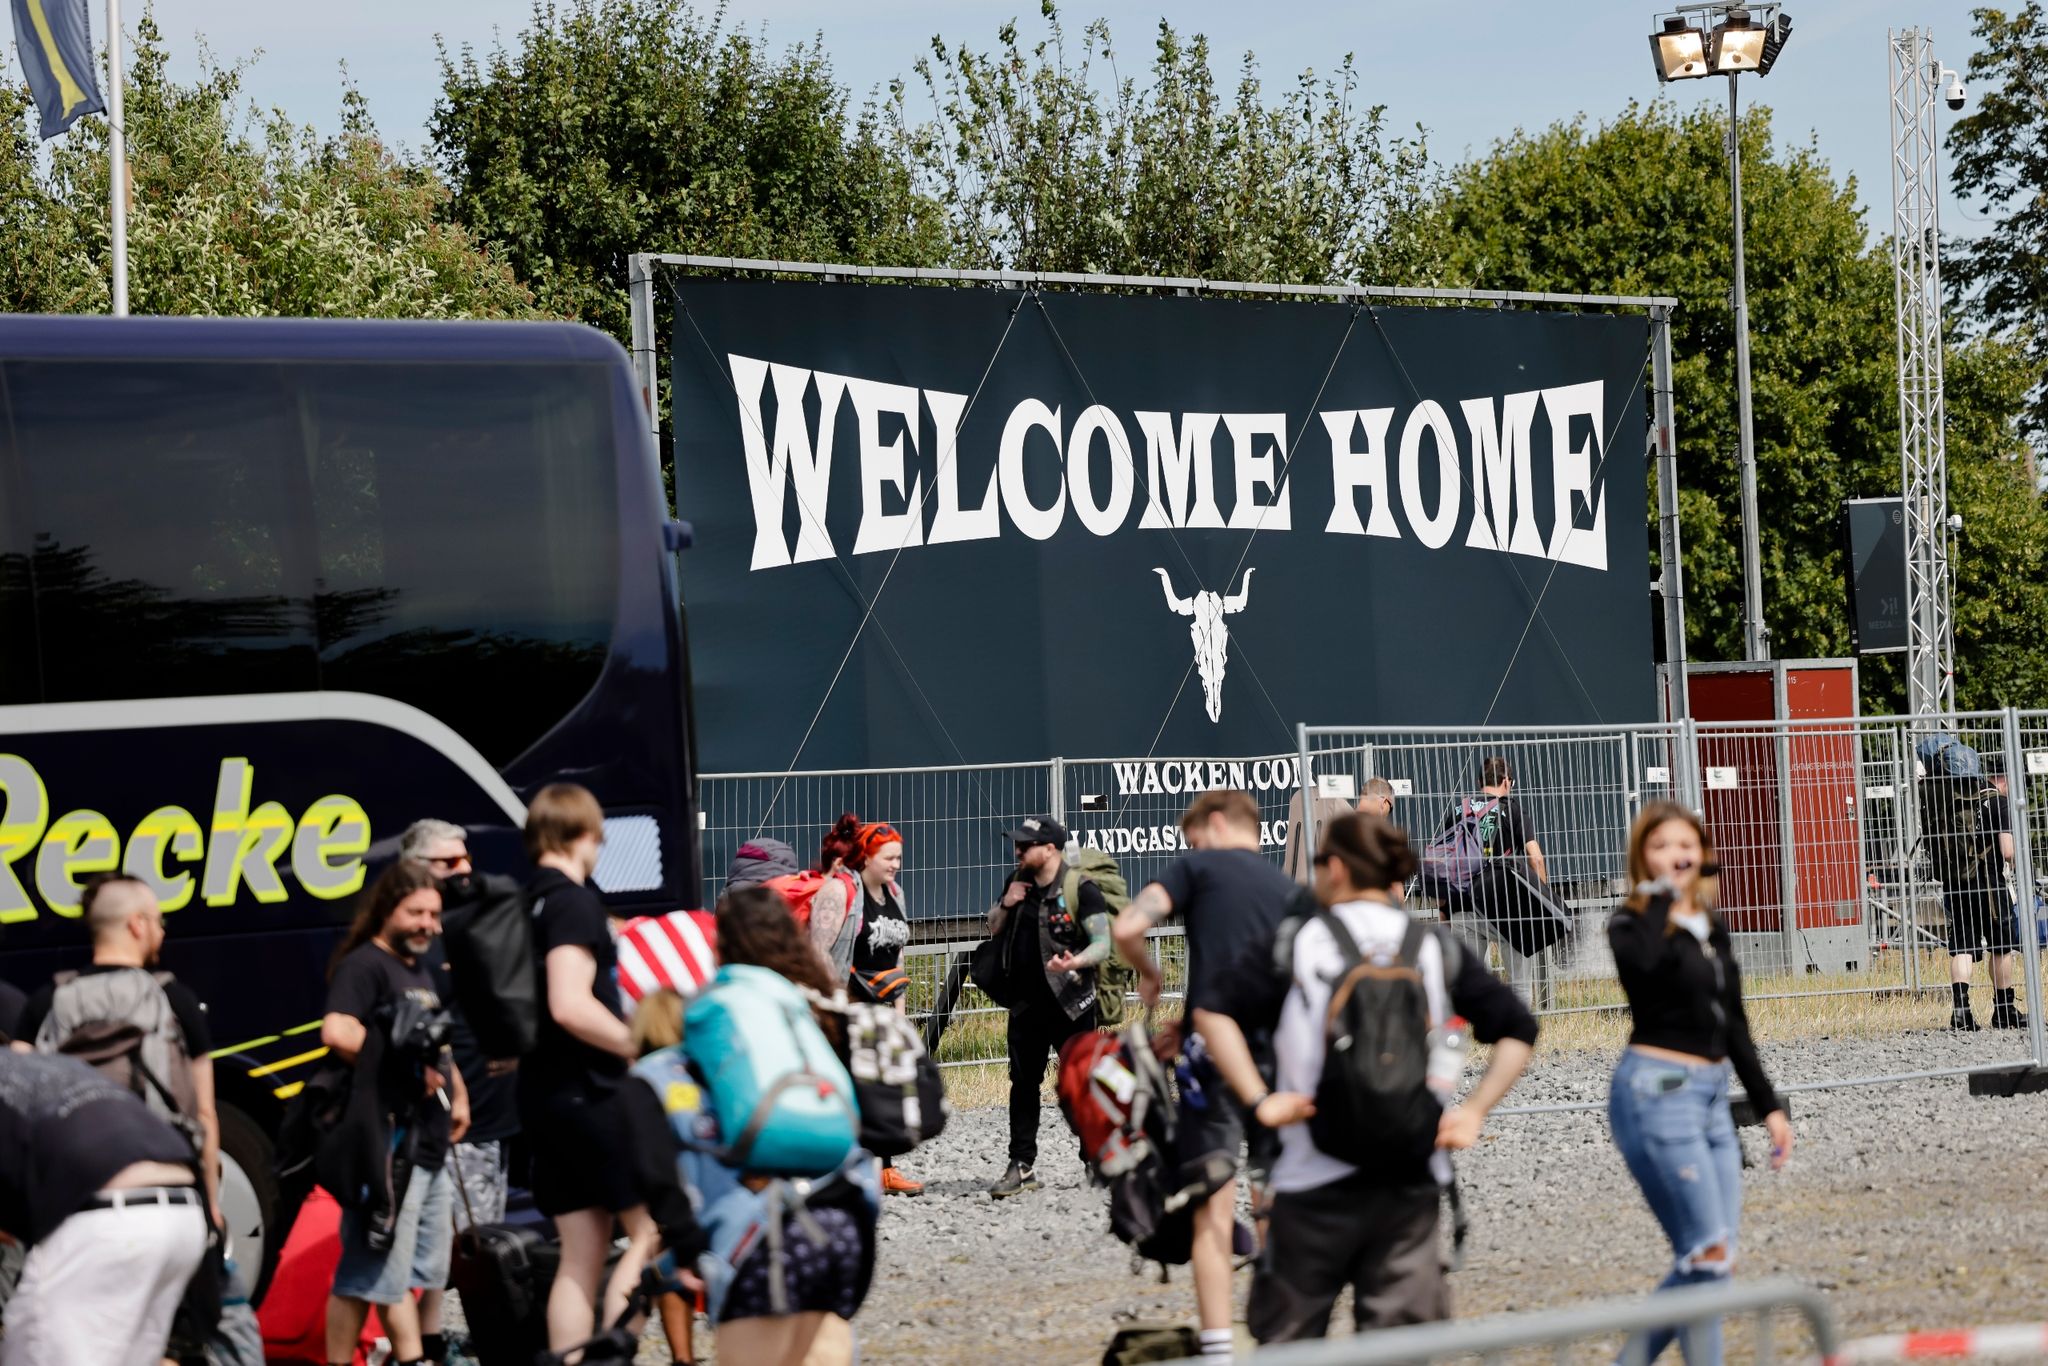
x: 1308, y: 796
x: 2023, y: 875
x: 1056, y: 779
x: 1692, y: 791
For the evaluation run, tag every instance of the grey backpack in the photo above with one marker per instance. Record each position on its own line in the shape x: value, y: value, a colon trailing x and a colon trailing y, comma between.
x: 122, y: 1024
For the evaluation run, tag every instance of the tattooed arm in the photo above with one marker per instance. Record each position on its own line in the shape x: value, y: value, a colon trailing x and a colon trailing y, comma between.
x: 1149, y: 908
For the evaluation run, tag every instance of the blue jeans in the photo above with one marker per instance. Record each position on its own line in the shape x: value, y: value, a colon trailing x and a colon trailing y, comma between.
x: 420, y: 1245
x: 1671, y: 1123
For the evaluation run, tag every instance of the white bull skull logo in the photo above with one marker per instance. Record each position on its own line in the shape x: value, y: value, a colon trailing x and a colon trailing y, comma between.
x: 1211, y: 636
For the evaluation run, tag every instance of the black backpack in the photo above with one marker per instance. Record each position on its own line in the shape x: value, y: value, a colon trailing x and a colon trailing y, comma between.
x: 896, y: 1083
x: 1955, y: 822
x: 1374, y: 1107
x: 487, y: 931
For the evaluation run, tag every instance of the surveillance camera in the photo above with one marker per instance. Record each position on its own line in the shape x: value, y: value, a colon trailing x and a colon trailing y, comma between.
x: 1955, y: 93
x: 1955, y: 521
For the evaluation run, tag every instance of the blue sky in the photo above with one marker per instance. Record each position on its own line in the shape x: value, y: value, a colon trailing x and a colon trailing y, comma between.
x: 1469, y: 71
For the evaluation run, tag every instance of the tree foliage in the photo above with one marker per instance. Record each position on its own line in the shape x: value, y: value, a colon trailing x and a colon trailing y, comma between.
x: 1641, y: 206
x: 1042, y: 165
x: 619, y: 126
x: 2001, y: 159
x: 225, y: 221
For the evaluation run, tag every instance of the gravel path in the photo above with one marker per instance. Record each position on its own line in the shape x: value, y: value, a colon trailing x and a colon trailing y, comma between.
x: 1913, y: 1205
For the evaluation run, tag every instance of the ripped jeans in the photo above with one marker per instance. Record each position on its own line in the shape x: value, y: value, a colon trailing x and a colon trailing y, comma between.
x: 1671, y: 1123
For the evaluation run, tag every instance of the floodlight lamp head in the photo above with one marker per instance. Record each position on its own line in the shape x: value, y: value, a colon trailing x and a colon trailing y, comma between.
x: 1776, y: 33
x: 1736, y: 44
x: 1678, y: 51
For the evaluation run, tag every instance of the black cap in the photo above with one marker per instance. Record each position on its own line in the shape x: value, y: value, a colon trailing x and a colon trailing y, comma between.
x: 1039, y: 830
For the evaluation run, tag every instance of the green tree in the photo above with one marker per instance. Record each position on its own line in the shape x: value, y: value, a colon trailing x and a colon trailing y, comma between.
x: 1640, y: 206
x: 621, y: 126
x: 1041, y: 166
x: 2001, y: 159
x: 224, y: 221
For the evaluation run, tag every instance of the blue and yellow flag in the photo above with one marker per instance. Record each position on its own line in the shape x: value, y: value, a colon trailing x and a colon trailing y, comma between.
x: 56, y: 52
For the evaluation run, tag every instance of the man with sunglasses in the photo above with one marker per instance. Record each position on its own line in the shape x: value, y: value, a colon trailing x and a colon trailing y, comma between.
x: 1050, y: 953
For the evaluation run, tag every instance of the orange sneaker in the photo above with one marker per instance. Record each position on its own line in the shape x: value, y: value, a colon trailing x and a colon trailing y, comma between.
x: 896, y: 1183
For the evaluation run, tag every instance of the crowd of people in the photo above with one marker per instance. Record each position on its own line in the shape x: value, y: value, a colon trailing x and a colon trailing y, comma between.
x: 611, y: 1114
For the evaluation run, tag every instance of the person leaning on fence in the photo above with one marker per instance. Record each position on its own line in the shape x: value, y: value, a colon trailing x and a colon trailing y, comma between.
x: 1050, y: 952
x: 1335, y: 1223
x: 1668, y: 1103
x: 1230, y: 899
x: 1968, y: 825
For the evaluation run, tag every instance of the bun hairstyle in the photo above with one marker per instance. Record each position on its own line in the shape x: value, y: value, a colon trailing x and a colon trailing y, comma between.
x: 1706, y: 892
x: 1374, y: 851
x: 842, y: 844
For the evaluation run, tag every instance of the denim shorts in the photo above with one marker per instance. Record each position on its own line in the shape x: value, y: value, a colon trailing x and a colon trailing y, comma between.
x: 418, y: 1256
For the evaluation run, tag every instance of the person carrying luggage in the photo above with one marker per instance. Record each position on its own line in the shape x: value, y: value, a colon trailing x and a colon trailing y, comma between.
x: 143, y: 1028
x: 791, y: 1252
x: 1668, y: 1103
x: 1046, y: 958
x: 386, y: 1162
x: 569, y: 1085
x: 104, y: 1194
x: 876, y: 963
x: 1482, y: 840
x: 1361, y: 999
x: 1230, y: 899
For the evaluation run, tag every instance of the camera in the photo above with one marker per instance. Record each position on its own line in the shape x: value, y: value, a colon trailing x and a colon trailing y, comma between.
x: 418, y: 1030
x: 1954, y: 94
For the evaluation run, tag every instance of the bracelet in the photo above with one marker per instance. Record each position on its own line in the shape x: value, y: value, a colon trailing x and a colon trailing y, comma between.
x: 1263, y: 1097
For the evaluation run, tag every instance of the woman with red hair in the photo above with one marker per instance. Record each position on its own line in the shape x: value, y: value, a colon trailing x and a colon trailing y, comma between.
x: 863, y: 944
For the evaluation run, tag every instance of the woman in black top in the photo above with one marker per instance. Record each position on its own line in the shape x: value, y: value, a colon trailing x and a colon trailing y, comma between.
x: 877, y: 967
x: 1669, y: 1102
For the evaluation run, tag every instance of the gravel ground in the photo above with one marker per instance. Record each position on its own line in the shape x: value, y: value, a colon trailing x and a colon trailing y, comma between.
x: 1913, y: 1205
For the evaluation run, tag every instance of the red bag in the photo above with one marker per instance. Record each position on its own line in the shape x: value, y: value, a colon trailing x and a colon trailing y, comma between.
x: 676, y: 951
x: 293, y: 1315
x: 1106, y: 1100
x: 800, y: 889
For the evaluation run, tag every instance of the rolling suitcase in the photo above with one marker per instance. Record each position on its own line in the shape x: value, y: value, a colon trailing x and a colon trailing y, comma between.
x: 503, y: 1273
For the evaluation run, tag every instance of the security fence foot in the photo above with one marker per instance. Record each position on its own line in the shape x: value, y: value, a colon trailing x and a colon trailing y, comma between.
x: 2021, y: 1080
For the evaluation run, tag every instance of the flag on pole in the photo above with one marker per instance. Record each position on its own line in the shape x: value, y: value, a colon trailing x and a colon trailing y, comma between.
x: 56, y: 53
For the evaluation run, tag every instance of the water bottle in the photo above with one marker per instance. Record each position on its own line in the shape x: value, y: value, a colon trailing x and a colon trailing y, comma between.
x: 1448, y: 1043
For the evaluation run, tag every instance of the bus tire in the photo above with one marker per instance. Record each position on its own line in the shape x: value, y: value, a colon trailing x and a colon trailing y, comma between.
x: 248, y: 1192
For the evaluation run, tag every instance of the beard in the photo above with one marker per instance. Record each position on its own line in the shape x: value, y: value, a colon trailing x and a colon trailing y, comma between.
x: 416, y: 945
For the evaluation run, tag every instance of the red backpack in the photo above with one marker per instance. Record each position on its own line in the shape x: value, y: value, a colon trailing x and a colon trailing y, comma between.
x: 800, y: 889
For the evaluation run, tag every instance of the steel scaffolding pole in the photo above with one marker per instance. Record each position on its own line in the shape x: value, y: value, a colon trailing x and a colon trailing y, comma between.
x: 1923, y: 454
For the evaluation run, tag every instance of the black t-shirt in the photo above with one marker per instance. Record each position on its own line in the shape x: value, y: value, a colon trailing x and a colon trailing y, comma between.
x: 65, y: 1131
x: 883, y: 933
x: 1962, y: 819
x: 1504, y: 831
x: 187, y: 1008
x: 1228, y: 900
x: 1069, y: 931
x: 493, y: 1101
x: 365, y: 985
x: 567, y: 913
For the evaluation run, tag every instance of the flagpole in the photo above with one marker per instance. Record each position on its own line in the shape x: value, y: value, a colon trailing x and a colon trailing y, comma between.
x: 117, y: 160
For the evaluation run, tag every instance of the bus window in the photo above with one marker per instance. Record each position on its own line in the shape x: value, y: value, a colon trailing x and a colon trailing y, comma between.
x: 466, y: 524
x: 164, y: 545
x: 21, y: 678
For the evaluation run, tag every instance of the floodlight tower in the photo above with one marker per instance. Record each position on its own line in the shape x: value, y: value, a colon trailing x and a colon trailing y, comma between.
x: 1916, y: 285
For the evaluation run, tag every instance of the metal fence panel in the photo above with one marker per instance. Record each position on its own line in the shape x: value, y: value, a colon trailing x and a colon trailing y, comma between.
x: 1132, y: 807
x: 952, y: 821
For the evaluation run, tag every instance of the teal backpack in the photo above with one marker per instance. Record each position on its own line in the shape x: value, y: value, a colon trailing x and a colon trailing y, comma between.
x: 782, y: 1097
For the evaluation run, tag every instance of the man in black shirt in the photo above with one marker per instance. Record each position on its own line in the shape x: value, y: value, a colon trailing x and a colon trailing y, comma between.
x: 1968, y: 833
x: 127, y: 927
x: 380, y: 984
x: 1049, y: 953
x: 1230, y: 898
x: 103, y: 1192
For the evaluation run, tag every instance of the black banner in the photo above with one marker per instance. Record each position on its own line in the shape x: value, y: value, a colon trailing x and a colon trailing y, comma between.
x: 943, y: 525
x: 1874, y: 532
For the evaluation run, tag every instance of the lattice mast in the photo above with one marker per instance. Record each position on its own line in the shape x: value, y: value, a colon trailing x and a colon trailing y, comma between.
x: 1923, y: 455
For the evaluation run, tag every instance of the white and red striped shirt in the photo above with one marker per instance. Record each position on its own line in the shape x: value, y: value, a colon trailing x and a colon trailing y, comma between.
x: 677, y: 951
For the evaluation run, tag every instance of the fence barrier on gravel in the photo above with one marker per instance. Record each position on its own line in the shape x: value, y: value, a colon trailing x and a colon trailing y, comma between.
x: 1836, y: 910
x: 1491, y: 1339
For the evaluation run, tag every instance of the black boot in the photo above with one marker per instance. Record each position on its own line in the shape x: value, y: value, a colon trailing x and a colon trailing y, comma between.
x: 1959, y: 1016
x: 2005, y: 1010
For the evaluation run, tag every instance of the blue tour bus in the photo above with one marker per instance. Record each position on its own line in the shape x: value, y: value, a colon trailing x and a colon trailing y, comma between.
x: 272, y: 590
